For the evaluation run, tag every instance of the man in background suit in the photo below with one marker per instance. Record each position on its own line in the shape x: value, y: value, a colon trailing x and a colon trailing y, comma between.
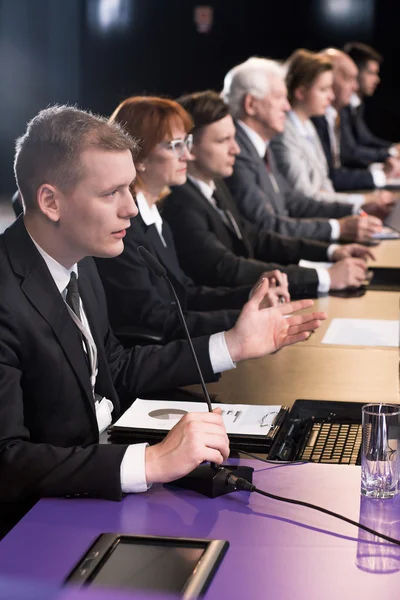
x: 368, y: 62
x: 256, y: 94
x: 62, y: 372
x: 215, y: 244
x: 338, y: 121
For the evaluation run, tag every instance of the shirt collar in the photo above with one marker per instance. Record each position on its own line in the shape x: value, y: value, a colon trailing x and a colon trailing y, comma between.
x: 59, y: 273
x: 305, y: 128
x: 259, y: 144
x: 206, y: 189
x: 355, y: 100
x: 331, y: 114
x: 149, y: 214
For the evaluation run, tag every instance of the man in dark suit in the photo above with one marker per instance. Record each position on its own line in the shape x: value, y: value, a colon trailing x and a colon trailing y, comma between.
x: 215, y: 244
x: 256, y: 94
x: 343, y: 179
x: 137, y: 297
x: 368, y: 62
x: 340, y: 123
x: 62, y: 372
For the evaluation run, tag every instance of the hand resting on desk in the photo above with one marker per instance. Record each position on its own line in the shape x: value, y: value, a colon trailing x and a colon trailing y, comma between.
x: 197, y: 437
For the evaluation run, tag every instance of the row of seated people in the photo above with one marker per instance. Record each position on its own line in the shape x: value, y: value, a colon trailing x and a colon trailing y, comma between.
x: 64, y: 376
x: 208, y: 237
x: 61, y: 368
x: 187, y: 148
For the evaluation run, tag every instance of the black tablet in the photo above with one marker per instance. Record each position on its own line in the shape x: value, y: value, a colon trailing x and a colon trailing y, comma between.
x: 182, y: 566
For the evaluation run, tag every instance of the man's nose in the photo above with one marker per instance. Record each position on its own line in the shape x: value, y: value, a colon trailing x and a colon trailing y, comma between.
x: 129, y: 208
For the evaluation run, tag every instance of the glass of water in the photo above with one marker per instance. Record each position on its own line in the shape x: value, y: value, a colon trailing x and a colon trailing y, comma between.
x: 380, y: 464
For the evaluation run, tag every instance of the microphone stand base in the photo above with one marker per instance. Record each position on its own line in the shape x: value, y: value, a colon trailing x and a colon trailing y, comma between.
x: 211, y: 481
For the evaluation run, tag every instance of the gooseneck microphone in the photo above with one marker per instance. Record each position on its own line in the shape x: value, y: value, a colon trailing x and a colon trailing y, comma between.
x: 209, y: 480
x: 160, y: 271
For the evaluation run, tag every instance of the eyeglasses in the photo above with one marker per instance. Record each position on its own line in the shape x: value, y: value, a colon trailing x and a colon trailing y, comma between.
x: 178, y: 146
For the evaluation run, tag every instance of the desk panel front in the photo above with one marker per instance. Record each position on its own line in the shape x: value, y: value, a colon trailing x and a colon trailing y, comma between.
x: 277, y: 550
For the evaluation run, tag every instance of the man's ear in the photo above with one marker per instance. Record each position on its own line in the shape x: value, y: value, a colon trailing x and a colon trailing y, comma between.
x: 249, y: 105
x: 48, y: 200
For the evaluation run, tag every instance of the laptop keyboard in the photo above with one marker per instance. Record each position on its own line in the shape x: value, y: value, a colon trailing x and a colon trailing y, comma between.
x: 335, y: 443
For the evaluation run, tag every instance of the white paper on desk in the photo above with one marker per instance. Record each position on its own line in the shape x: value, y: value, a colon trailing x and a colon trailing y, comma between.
x: 362, y: 332
x: 310, y: 264
x: 164, y: 414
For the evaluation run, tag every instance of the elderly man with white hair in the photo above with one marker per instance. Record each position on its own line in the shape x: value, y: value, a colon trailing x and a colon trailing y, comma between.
x: 256, y: 94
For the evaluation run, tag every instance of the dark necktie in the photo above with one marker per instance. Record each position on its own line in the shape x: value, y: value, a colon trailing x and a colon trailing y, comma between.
x: 267, y: 162
x: 227, y: 216
x: 73, y: 301
x: 72, y: 298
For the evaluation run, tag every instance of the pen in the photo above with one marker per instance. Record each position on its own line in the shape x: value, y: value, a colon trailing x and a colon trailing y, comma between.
x: 277, y: 422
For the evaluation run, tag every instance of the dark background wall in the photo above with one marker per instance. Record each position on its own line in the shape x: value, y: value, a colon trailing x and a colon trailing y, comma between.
x: 96, y: 52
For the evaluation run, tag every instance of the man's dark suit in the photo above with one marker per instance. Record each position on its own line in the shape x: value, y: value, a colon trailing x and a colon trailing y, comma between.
x: 212, y: 254
x: 281, y: 211
x: 135, y: 296
x: 353, y: 153
x: 48, y: 429
x: 343, y: 179
x: 361, y: 131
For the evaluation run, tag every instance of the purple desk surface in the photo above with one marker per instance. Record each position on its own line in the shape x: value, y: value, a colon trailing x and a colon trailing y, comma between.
x: 277, y: 550
x: 12, y: 589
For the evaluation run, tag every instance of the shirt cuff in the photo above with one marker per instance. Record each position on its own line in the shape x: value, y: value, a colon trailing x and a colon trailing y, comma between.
x: 133, y: 470
x: 357, y: 201
x: 335, y: 229
x: 331, y: 251
x: 324, y: 281
x: 378, y: 174
x: 393, y: 151
x: 219, y: 354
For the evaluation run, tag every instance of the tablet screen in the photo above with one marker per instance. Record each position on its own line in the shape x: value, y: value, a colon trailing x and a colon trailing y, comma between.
x: 144, y: 566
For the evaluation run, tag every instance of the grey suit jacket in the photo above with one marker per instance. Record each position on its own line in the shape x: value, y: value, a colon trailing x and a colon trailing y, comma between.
x: 302, y: 162
x: 283, y: 212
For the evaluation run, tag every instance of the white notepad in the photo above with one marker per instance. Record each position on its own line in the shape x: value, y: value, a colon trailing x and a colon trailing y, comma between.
x: 242, y: 419
x: 362, y: 332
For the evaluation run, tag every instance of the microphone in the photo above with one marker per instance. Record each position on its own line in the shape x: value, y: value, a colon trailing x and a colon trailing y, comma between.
x: 160, y: 271
x: 209, y: 479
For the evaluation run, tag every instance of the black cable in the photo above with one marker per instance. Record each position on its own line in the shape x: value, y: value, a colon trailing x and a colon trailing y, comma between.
x: 240, y: 483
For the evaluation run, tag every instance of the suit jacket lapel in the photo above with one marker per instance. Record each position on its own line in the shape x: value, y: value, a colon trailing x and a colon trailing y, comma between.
x: 247, y: 148
x: 229, y: 204
x: 165, y: 254
x: 39, y: 287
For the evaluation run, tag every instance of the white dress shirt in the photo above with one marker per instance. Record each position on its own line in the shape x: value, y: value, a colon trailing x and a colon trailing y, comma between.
x: 324, y: 279
x: 150, y: 214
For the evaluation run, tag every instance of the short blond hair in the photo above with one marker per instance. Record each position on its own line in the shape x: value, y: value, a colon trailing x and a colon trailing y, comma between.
x: 50, y: 150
